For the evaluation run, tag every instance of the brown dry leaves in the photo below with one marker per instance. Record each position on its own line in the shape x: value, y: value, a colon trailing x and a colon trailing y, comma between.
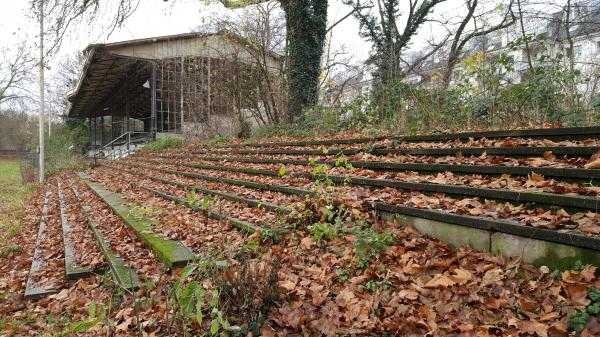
x: 424, y: 288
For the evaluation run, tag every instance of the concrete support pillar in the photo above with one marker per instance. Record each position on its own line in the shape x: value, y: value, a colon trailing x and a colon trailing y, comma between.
x: 153, y: 100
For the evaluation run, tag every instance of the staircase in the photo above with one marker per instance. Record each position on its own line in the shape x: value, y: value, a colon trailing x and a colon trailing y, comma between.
x: 121, y: 147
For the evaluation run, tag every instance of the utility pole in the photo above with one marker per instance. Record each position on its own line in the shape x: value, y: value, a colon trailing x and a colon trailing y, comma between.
x: 41, y: 116
x: 49, y: 122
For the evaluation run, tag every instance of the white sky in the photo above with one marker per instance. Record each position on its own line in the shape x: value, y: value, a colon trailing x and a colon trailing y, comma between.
x: 152, y: 18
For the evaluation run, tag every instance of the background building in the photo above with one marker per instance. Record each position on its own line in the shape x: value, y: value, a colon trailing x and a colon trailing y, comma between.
x: 189, y: 85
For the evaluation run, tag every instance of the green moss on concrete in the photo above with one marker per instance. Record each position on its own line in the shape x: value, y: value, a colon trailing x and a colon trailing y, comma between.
x: 171, y: 253
x: 75, y: 272
x: 539, y: 252
x: 124, y: 276
x: 454, y: 235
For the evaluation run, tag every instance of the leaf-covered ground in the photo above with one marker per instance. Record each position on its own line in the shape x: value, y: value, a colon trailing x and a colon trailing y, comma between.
x: 331, y: 267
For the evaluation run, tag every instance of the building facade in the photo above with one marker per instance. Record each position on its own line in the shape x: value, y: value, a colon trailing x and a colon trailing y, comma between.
x: 189, y: 85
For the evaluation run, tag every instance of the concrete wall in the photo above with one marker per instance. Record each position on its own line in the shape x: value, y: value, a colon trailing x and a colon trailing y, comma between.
x: 217, y: 125
x: 534, y: 251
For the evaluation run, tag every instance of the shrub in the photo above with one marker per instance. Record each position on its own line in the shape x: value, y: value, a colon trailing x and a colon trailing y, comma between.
x: 63, y: 148
x: 165, y: 143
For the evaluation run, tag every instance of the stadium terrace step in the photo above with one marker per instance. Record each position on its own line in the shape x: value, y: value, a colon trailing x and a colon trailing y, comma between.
x: 538, y: 246
x: 538, y: 198
x: 574, y: 151
x: 561, y: 173
x: 546, y: 133
x: 243, y: 226
x: 124, y: 276
x: 239, y: 182
x: 172, y: 253
x: 34, y: 289
x: 74, y: 272
x: 224, y: 195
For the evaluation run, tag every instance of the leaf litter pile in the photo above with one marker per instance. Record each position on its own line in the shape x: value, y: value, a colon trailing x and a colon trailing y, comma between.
x: 331, y: 267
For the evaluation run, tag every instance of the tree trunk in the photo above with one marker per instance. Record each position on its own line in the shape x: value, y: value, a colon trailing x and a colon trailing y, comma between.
x: 306, y: 30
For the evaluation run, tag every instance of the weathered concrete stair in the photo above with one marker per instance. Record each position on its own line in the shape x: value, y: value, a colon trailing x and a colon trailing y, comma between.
x: 124, y: 276
x: 172, y: 253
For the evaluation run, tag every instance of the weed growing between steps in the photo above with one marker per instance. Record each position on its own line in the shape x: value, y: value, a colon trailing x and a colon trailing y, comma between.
x: 218, y: 287
x: 165, y: 143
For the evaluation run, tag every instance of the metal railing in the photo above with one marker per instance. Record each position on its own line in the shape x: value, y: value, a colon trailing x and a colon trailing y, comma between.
x: 122, y: 146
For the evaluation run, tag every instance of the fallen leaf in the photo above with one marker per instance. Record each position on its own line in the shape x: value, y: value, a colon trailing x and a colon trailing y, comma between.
x: 550, y: 316
x: 594, y: 164
x: 461, y: 276
x: 533, y: 327
x: 440, y: 280
x: 577, y: 293
x: 409, y: 294
x: 492, y: 276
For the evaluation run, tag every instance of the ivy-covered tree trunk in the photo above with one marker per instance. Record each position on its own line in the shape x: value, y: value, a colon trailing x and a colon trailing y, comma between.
x: 306, y: 22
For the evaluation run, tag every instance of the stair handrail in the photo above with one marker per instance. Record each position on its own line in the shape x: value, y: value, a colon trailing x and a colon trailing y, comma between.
x: 111, y: 144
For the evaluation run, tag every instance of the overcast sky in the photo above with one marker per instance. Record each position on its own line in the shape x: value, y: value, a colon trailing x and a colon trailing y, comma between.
x: 153, y: 18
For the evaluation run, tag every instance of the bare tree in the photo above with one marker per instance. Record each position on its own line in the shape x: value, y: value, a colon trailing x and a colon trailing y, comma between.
x: 62, y: 16
x: 14, y: 72
x: 463, y: 35
x: 340, y: 76
x: 55, y: 19
x: 381, y: 29
x: 263, y: 29
x: 306, y: 31
x: 63, y: 80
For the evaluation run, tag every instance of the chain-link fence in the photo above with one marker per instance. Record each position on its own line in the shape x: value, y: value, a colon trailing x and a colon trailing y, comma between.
x: 28, y: 163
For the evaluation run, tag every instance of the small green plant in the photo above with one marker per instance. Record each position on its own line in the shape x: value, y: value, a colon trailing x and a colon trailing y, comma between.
x: 578, y: 266
x: 6, y: 251
x: 320, y: 170
x: 269, y: 233
x: 191, y: 197
x: 372, y: 285
x: 282, y: 171
x: 86, y: 324
x: 322, y: 230
x: 320, y: 174
x: 218, y: 140
x: 250, y: 246
x: 579, y: 319
x: 370, y: 244
x: 191, y: 301
x: 342, y: 161
x: 165, y: 143
x: 343, y: 277
x: 205, y: 203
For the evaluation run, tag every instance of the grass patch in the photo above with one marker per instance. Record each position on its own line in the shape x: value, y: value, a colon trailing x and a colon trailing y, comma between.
x: 6, y: 251
x: 13, y: 195
x: 165, y: 143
